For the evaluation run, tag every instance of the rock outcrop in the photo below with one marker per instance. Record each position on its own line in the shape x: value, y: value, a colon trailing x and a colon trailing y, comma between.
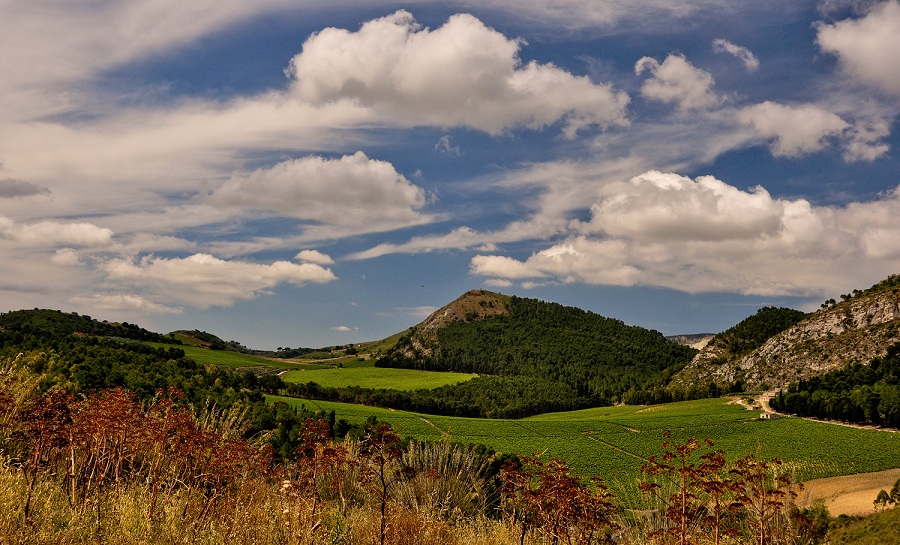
x: 853, y: 331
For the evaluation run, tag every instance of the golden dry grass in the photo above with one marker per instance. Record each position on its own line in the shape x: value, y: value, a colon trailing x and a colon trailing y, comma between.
x: 851, y: 495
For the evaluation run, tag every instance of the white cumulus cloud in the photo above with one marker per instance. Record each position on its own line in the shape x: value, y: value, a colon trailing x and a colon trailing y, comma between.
x: 795, y: 130
x: 353, y: 191
x: 667, y: 206
x: 703, y: 235
x: 461, y: 74
x: 204, y: 281
x: 868, y: 47
x: 54, y: 233
x: 677, y: 81
x: 127, y: 303
x: 314, y: 256
x: 502, y: 267
x: 66, y: 256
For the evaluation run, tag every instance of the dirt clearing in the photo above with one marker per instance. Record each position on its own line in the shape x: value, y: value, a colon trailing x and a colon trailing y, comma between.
x: 850, y: 494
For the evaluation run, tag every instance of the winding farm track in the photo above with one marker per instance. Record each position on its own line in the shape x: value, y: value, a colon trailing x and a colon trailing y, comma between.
x: 444, y: 433
x: 851, y: 495
x: 593, y: 436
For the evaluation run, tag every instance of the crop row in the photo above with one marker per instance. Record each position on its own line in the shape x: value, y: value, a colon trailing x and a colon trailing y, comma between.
x: 613, y: 442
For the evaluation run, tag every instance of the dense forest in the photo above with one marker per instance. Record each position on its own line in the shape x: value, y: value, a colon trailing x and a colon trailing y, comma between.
x: 867, y: 394
x: 53, y: 324
x: 596, y: 359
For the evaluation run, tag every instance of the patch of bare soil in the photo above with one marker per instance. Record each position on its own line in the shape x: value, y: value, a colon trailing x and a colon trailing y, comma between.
x: 850, y: 494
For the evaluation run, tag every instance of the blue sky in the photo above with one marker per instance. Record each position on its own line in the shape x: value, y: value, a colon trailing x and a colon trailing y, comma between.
x: 291, y: 173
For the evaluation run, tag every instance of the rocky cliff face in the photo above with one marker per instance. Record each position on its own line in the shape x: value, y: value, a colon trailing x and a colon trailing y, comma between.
x: 854, y: 331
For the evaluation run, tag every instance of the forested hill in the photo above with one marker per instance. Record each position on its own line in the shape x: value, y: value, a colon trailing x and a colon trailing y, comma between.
x: 57, y: 324
x: 754, y: 331
x: 596, y: 358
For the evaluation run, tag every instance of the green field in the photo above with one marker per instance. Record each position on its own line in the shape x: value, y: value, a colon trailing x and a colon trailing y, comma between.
x: 225, y: 358
x: 613, y: 442
x: 376, y: 377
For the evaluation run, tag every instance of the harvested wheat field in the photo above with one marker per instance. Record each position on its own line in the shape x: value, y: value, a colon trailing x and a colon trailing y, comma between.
x: 849, y: 494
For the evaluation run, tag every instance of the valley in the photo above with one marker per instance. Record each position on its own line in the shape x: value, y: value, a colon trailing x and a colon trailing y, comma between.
x: 500, y: 379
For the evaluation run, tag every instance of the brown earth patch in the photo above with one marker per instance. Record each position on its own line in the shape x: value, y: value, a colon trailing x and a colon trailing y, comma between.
x: 849, y: 494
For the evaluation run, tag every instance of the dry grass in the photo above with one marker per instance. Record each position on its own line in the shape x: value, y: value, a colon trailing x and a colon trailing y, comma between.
x: 851, y: 495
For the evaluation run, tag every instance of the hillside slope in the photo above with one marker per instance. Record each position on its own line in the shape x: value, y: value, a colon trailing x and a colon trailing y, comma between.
x: 596, y: 358
x: 856, y: 330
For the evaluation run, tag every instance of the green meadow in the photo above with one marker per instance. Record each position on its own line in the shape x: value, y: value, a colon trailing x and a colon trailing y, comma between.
x: 613, y: 442
x: 226, y: 358
x: 376, y: 377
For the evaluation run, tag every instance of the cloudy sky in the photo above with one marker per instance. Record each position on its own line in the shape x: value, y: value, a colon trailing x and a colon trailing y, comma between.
x: 291, y: 173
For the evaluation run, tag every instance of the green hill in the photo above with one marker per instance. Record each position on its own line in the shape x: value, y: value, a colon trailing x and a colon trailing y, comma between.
x: 57, y: 324
x: 580, y: 356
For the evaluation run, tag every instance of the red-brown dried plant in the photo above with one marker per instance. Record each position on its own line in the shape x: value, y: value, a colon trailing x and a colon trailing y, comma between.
x: 46, y: 421
x: 318, y: 455
x: 381, y: 451
x: 721, y: 494
x: 547, y: 496
x: 766, y: 492
x: 680, y: 472
x: 104, y: 444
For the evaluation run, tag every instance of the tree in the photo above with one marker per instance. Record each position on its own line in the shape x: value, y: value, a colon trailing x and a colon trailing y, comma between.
x: 884, y: 497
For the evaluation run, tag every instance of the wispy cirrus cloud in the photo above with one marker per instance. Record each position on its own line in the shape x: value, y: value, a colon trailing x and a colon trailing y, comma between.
x: 743, y: 54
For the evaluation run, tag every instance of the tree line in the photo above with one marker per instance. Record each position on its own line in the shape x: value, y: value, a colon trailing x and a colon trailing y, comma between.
x: 865, y: 394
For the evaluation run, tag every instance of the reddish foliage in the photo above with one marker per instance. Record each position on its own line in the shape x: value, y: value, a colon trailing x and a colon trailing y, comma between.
x: 547, y: 496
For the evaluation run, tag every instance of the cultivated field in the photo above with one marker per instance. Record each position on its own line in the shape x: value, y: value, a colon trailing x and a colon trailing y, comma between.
x: 613, y: 442
x: 224, y: 358
x: 376, y: 377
